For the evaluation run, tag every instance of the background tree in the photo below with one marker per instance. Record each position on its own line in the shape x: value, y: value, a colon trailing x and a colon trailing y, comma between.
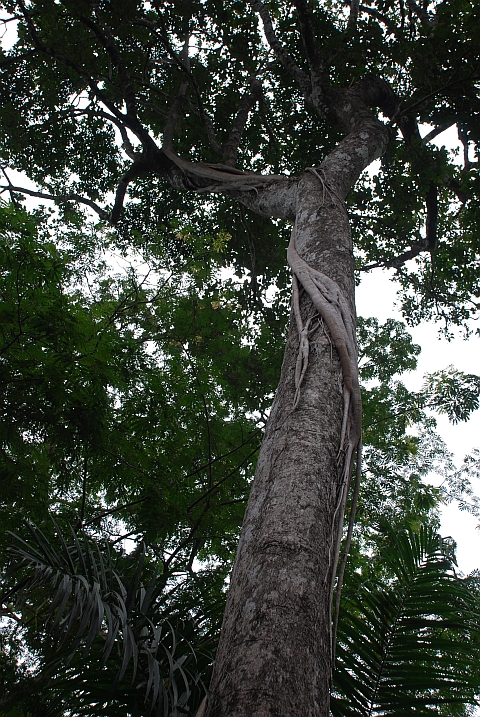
x: 153, y: 630
x: 341, y: 88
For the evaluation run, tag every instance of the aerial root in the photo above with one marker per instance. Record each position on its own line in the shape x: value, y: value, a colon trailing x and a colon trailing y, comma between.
x: 333, y: 309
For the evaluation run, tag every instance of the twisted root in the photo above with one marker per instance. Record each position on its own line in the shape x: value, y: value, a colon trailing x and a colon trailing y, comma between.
x: 332, y: 307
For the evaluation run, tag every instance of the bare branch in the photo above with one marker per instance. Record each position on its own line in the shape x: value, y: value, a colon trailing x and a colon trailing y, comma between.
x: 10, y: 189
x: 436, y: 131
x: 58, y: 198
x: 398, y: 261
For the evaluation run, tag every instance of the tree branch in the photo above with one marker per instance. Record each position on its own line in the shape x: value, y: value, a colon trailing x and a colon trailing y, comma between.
x: 10, y: 189
x: 12, y: 59
x: 431, y: 202
x: 436, y: 131
x: 312, y: 50
x: 127, y: 145
x: 106, y: 513
x: 398, y: 261
x: 129, y: 120
x: 352, y: 18
x: 185, y: 67
x: 230, y: 148
x: 58, y: 198
x: 222, y: 480
x: 422, y: 14
x: 104, y: 35
x: 300, y: 77
x: 174, y: 117
x: 392, y: 29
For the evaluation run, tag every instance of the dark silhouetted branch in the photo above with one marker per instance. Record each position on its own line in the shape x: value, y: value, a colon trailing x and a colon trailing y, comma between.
x: 230, y: 148
x: 432, y: 216
x: 392, y: 29
x: 435, y: 132
x: 59, y: 198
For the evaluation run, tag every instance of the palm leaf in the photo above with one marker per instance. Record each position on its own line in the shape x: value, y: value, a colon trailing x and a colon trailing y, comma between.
x: 412, y: 644
x: 85, y: 604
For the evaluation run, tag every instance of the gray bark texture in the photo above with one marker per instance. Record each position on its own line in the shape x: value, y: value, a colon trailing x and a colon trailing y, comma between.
x: 274, y: 657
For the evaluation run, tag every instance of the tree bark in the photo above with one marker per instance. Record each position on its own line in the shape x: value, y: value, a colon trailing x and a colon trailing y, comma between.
x: 274, y: 656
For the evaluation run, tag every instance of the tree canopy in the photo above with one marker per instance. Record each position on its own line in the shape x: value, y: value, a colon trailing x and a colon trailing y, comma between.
x: 144, y: 311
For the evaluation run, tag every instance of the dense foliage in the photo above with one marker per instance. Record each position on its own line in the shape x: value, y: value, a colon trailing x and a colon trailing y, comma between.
x: 133, y: 405
x: 142, y: 330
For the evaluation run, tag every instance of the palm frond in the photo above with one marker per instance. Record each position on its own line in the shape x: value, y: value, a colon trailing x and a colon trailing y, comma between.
x: 413, y: 643
x: 118, y: 632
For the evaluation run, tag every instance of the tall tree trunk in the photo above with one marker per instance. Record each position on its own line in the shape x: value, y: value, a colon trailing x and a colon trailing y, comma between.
x: 274, y: 653
x: 274, y: 656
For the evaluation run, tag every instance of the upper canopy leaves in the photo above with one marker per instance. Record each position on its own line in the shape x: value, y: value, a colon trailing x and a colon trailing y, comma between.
x: 261, y: 87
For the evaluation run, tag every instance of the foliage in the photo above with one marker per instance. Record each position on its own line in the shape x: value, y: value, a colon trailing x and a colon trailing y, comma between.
x: 410, y: 642
x: 133, y: 401
x: 106, y: 644
x: 101, y: 444
x: 79, y: 73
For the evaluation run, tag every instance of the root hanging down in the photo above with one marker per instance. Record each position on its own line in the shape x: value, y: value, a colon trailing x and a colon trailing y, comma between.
x: 333, y: 309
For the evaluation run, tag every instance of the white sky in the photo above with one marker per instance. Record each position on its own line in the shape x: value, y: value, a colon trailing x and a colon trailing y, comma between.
x: 376, y: 296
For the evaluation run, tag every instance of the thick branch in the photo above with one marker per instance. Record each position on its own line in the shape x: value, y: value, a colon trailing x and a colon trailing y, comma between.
x: 314, y: 55
x: 127, y: 145
x: 138, y: 169
x: 352, y: 18
x: 312, y: 49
